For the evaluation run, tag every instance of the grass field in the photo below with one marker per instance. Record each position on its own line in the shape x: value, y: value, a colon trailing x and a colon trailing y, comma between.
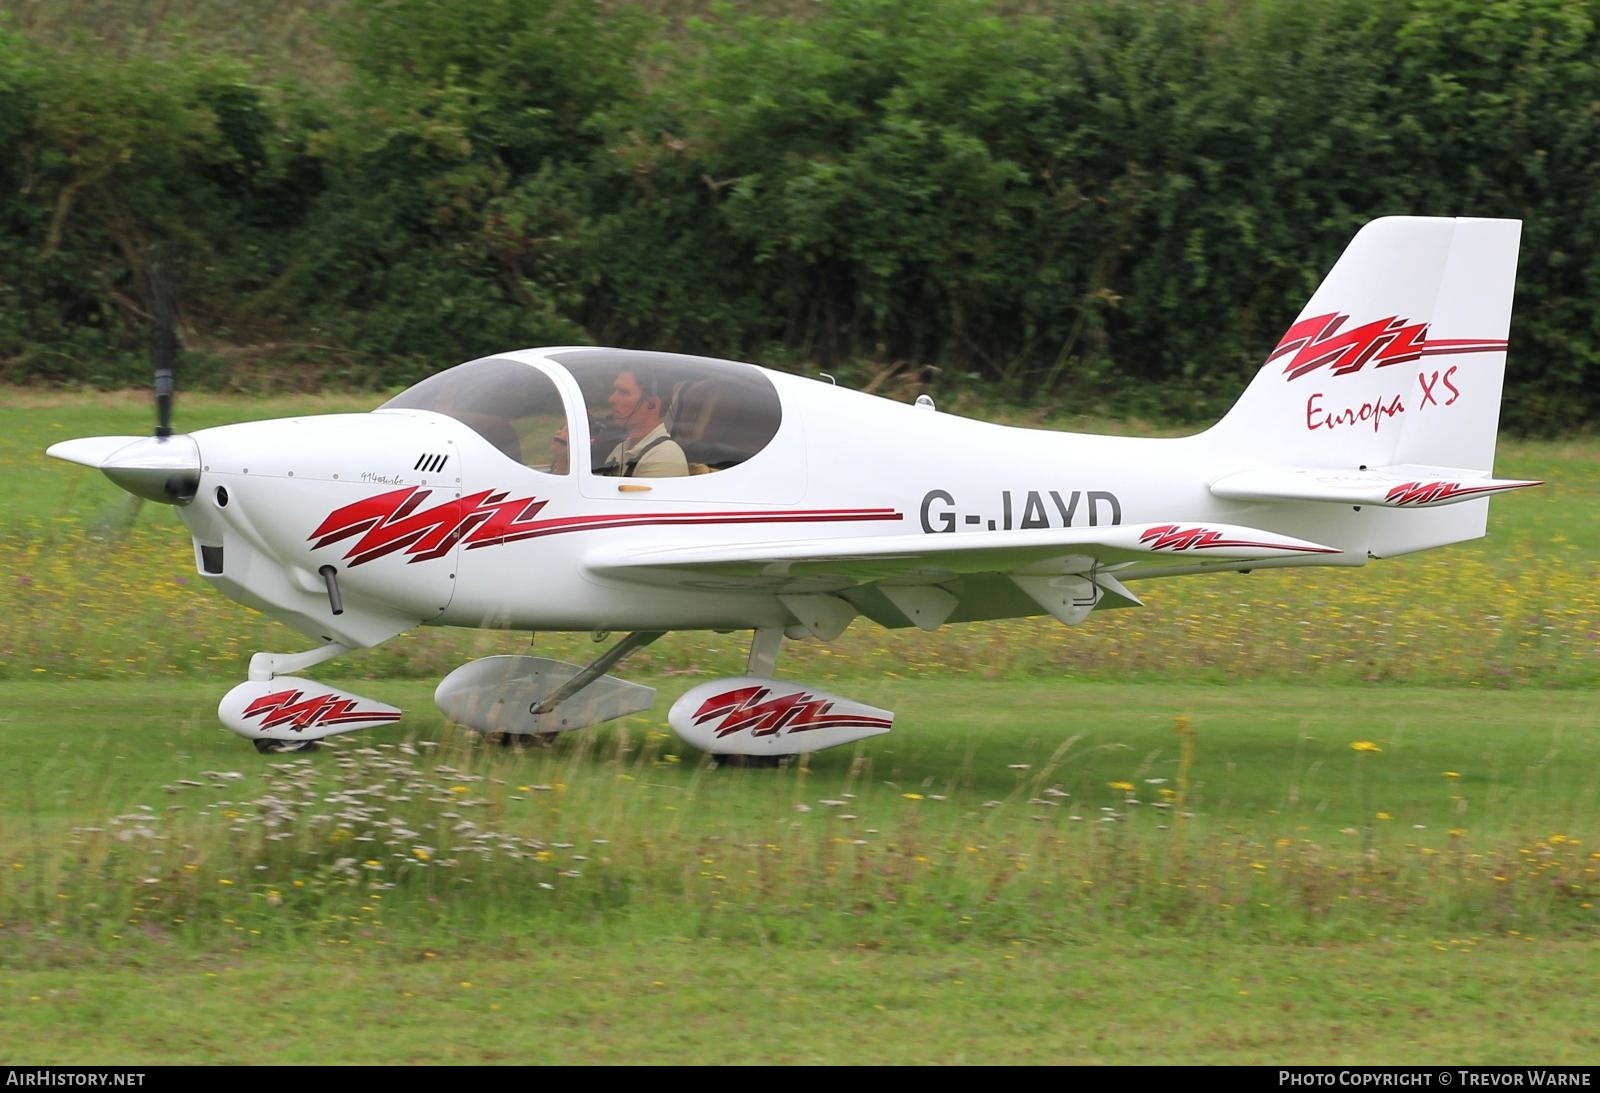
x: 1118, y: 1000
x: 1343, y: 817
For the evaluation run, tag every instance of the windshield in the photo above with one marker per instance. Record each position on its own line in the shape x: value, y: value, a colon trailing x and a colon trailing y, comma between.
x: 512, y: 405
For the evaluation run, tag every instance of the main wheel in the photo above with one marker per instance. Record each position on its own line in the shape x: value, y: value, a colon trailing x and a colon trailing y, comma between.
x: 749, y: 762
x: 280, y: 747
x: 525, y: 739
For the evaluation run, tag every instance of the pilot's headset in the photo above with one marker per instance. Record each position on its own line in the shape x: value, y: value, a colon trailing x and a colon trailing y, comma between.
x: 651, y: 387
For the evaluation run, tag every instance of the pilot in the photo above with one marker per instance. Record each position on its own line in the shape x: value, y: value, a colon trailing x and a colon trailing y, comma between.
x: 646, y: 451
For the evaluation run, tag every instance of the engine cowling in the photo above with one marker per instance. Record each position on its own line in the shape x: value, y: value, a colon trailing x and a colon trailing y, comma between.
x: 751, y: 715
x: 289, y: 708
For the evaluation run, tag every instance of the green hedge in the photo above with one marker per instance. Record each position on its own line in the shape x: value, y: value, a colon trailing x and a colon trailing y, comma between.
x: 1111, y: 204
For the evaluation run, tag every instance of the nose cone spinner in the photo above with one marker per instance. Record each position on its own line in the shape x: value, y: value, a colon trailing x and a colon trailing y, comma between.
x: 157, y: 468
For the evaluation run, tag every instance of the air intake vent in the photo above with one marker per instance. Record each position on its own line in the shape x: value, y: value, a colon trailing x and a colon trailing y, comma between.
x: 430, y: 464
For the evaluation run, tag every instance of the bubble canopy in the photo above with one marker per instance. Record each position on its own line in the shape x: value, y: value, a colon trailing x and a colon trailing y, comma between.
x: 721, y: 413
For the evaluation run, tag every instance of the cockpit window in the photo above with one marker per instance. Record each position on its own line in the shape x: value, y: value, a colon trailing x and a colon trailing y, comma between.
x: 512, y: 405
x: 664, y: 415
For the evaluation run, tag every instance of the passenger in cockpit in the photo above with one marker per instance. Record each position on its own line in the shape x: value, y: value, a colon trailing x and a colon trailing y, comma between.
x: 560, y: 452
x: 646, y: 450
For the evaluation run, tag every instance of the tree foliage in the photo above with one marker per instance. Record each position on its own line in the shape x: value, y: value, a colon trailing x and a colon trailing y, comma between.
x: 1099, y: 202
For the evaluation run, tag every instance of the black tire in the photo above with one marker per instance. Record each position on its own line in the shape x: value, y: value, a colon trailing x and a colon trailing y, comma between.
x: 284, y: 747
x: 525, y: 739
x: 749, y: 762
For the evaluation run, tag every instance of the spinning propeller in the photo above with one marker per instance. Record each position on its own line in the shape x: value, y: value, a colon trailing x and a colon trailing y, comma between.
x: 164, y: 467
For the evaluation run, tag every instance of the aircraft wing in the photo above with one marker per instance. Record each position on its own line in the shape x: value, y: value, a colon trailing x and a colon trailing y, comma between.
x: 929, y: 579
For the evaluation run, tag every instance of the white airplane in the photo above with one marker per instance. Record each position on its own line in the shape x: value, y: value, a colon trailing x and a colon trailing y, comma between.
x: 789, y: 507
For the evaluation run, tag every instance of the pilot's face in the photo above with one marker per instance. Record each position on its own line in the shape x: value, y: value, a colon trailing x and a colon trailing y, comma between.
x: 624, y: 397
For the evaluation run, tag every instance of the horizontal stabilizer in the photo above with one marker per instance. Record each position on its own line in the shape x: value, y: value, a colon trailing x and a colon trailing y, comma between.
x: 1400, y: 486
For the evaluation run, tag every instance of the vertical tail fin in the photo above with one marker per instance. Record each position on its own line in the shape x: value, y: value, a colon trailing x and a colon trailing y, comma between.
x: 1386, y: 390
x: 1399, y: 358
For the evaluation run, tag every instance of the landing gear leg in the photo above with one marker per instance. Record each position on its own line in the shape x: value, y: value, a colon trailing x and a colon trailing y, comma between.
x: 264, y: 666
x: 762, y: 661
x: 590, y: 672
x: 596, y: 668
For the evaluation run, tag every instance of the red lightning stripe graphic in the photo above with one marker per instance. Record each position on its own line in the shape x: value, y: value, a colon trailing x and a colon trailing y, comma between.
x: 799, y: 711
x: 1172, y: 537
x: 282, y: 707
x: 1318, y: 341
x: 628, y: 520
x: 1423, y: 493
x: 393, y: 521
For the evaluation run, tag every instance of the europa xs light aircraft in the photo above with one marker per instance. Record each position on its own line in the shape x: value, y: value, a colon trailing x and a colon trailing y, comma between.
x: 796, y: 506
